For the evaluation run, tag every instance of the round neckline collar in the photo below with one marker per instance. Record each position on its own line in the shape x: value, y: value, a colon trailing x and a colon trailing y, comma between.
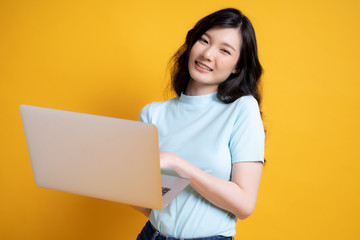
x: 198, y: 100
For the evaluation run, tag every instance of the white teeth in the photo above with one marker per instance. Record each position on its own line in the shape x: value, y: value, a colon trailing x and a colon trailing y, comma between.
x: 203, y: 66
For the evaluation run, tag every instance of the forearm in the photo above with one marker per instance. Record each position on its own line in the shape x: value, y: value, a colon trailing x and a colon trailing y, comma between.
x: 225, y: 194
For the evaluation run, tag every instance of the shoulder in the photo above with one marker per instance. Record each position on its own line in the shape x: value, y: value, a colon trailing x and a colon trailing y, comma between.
x: 247, y: 113
x: 247, y: 138
x: 247, y: 105
x: 247, y: 101
x: 154, y: 108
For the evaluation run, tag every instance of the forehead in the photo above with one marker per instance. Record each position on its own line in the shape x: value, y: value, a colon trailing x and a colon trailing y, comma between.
x: 230, y: 36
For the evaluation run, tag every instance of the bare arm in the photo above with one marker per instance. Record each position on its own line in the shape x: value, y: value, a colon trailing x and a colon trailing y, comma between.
x: 237, y: 196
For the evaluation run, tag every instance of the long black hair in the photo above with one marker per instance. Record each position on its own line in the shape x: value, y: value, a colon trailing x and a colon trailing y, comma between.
x: 246, y: 80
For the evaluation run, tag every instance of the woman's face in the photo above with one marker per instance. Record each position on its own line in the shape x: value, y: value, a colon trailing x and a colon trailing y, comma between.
x: 212, y: 59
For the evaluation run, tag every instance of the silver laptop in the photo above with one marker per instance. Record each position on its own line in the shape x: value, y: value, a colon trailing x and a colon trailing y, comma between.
x: 101, y: 157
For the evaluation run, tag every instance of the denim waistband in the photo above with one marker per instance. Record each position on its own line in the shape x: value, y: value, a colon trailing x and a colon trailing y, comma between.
x: 156, y: 235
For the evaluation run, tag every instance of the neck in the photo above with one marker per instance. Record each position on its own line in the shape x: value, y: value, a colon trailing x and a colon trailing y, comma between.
x: 196, y: 89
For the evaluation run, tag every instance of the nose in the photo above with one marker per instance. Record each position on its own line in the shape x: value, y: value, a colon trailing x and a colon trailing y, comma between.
x: 208, y: 54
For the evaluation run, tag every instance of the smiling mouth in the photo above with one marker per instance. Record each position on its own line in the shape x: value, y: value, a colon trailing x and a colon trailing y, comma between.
x: 203, y: 66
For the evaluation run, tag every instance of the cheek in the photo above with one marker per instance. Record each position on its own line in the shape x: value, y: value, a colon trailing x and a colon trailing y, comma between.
x: 194, y: 51
x: 227, y: 65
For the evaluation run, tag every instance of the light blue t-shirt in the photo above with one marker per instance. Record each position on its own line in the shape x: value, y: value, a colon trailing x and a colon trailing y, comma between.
x: 211, y: 135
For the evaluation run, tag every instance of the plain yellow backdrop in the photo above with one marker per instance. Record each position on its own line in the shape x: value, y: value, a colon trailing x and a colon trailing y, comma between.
x: 109, y: 58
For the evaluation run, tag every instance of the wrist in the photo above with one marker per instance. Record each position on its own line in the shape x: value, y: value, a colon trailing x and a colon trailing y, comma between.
x: 175, y: 161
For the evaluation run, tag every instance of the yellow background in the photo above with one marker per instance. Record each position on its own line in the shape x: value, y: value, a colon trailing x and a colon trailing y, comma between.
x: 109, y: 58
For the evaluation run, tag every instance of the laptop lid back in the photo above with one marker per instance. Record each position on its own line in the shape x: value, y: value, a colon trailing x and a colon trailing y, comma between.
x: 95, y: 156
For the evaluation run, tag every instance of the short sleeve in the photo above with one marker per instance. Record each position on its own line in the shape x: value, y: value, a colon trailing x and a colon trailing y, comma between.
x: 144, y: 115
x: 247, y: 138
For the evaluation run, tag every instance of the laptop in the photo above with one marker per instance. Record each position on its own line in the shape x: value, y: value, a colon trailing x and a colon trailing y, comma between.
x: 96, y: 156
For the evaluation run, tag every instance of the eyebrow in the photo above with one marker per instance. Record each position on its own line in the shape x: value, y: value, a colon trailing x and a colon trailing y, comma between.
x: 224, y: 43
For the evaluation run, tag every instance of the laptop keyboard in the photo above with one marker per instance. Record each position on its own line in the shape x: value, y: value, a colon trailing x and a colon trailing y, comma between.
x: 165, y: 190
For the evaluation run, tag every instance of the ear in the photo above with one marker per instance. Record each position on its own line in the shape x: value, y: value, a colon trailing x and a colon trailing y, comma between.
x: 235, y: 71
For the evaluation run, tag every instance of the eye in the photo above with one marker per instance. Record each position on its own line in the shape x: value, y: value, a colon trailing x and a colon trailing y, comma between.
x: 203, y: 40
x: 225, y: 51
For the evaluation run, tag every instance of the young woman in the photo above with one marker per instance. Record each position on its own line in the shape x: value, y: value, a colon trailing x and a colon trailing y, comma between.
x: 212, y: 133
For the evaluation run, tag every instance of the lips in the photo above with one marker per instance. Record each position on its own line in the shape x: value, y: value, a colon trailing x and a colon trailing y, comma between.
x: 203, y: 66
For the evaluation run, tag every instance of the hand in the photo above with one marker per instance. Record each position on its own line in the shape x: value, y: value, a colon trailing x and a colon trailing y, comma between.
x: 167, y: 160
x: 170, y: 160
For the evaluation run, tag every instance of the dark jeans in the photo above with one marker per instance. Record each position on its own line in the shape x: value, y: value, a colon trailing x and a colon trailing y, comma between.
x: 150, y: 233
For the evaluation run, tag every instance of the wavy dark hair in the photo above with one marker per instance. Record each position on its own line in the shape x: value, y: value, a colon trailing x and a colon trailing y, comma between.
x: 246, y: 80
